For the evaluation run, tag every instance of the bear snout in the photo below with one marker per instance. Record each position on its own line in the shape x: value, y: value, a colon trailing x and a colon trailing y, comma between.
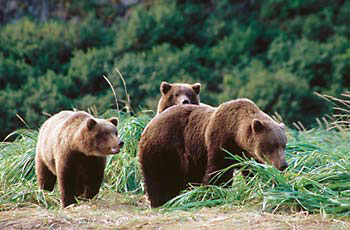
x: 186, y: 101
x: 283, y: 166
x: 121, y: 143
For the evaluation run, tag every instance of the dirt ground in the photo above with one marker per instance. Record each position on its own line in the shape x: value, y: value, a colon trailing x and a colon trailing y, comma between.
x: 120, y: 213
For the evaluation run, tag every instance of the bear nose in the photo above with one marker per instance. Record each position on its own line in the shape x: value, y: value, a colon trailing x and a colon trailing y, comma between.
x: 184, y: 102
x: 284, y: 166
x: 121, y: 143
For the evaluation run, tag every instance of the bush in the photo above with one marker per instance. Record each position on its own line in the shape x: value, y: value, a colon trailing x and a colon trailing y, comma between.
x: 230, y: 50
x: 43, y: 46
x: 318, y: 27
x: 163, y: 62
x: 86, y: 71
x: 215, y: 43
x: 13, y: 73
x: 43, y: 95
x: 139, y: 32
x: 279, y: 91
x: 160, y: 23
x: 91, y: 32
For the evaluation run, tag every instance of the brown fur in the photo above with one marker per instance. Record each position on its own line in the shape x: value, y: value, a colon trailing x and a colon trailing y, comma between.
x: 72, y: 147
x: 178, y: 93
x: 184, y: 145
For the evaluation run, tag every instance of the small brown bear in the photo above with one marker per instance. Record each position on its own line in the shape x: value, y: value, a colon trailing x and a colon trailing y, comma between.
x: 72, y: 147
x: 186, y: 143
x: 177, y: 94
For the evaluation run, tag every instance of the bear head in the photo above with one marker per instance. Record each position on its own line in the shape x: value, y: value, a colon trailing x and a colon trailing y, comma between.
x: 269, y: 142
x: 178, y: 93
x: 100, y: 137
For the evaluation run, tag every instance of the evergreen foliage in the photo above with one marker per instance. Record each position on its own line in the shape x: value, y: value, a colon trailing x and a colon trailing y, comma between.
x: 275, y: 52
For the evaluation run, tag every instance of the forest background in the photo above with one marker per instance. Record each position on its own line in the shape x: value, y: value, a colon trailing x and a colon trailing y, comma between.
x: 54, y: 53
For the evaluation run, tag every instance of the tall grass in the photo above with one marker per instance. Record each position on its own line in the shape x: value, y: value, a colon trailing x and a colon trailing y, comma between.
x: 317, y: 179
x: 17, y: 180
x: 17, y: 175
x: 123, y: 173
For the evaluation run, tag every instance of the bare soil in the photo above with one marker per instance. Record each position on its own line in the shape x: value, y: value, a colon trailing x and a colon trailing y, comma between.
x: 120, y: 212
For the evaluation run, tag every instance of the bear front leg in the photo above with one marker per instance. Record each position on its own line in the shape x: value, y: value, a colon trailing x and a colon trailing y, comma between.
x: 215, y: 164
x: 46, y: 179
x: 67, y: 182
x: 93, y: 176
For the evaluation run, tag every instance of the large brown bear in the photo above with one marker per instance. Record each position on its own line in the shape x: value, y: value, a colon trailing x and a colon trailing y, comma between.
x: 185, y: 143
x: 178, y: 93
x: 72, y: 147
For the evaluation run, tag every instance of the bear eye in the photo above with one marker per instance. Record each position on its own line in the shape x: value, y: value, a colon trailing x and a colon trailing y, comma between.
x: 176, y: 94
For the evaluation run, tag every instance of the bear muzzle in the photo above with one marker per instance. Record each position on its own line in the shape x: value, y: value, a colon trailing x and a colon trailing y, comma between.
x: 185, y: 102
x: 283, y: 166
x: 115, y: 150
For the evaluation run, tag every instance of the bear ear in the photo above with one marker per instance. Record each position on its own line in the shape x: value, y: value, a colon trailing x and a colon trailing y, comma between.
x: 196, y: 87
x: 113, y: 120
x: 91, y: 123
x: 283, y: 126
x: 257, y: 126
x: 165, y: 87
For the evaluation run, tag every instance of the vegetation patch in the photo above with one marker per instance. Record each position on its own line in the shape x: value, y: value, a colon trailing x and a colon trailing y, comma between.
x: 317, y: 179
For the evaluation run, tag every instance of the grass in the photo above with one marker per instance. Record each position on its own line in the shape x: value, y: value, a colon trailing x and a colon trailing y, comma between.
x: 18, y: 182
x: 317, y: 179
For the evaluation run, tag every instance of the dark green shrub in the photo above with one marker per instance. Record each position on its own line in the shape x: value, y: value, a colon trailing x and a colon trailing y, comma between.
x: 43, y: 95
x: 86, y: 71
x: 233, y: 47
x: 43, y: 46
x: 101, y: 102
x: 10, y: 102
x: 163, y: 62
x: 14, y: 73
x: 279, y: 91
x: 164, y: 22
x: 148, y: 26
x: 280, y: 50
x: 91, y: 32
x: 318, y: 27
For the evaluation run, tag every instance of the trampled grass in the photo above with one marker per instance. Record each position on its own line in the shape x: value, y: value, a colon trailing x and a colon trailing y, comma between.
x: 317, y: 179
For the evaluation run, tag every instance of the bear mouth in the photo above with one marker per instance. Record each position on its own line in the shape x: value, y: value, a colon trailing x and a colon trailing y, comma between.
x: 114, y: 150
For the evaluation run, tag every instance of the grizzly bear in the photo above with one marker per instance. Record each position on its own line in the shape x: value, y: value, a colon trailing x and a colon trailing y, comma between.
x: 178, y: 93
x: 188, y: 144
x: 72, y: 147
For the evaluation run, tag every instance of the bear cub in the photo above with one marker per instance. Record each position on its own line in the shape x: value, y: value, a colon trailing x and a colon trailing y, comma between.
x: 72, y: 149
x: 177, y: 94
x: 188, y: 144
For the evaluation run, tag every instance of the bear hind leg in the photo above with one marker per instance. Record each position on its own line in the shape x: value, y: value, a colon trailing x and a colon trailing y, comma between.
x: 46, y: 179
x: 160, y: 191
x: 160, y: 197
